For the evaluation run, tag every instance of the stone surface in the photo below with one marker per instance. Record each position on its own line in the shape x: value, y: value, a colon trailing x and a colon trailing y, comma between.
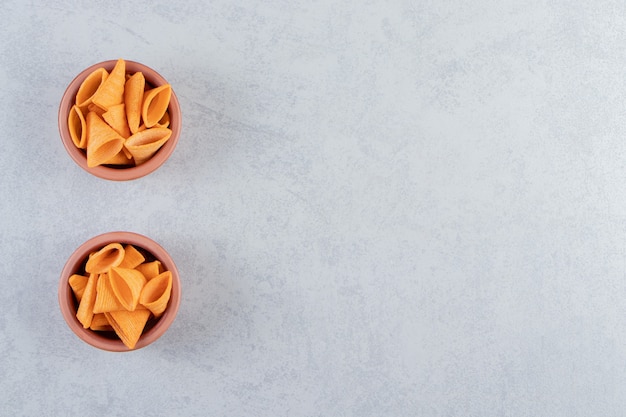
x: 406, y: 208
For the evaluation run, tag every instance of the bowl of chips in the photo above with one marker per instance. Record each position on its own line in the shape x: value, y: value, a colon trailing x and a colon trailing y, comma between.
x: 119, y: 120
x: 119, y: 291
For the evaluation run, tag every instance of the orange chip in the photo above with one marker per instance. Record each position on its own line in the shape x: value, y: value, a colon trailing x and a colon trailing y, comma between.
x: 155, y: 104
x: 142, y: 145
x: 115, y: 117
x: 156, y: 293
x: 133, y: 99
x: 90, y: 86
x: 109, y: 256
x: 85, y: 308
x: 92, y: 108
x: 150, y: 269
x: 121, y: 298
x: 132, y: 257
x: 105, y: 299
x: 78, y: 283
x: 103, y: 142
x: 78, y: 127
x: 100, y: 323
x: 127, y: 284
x: 111, y: 92
x: 120, y: 159
x: 128, y: 325
x: 165, y: 120
x: 127, y: 153
x: 126, y: 105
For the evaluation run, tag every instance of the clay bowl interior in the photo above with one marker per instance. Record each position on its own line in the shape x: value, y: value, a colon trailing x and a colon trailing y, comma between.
x: 119, y: 173
x: 109, y: 341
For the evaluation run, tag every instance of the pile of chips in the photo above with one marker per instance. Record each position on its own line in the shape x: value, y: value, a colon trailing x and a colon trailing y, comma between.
x: 119, y: 290
x: 118, y: 119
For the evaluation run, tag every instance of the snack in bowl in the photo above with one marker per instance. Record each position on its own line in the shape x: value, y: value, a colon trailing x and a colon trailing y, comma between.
x: 119, y: 120
x: 99, y: 118
x: 119, y: 291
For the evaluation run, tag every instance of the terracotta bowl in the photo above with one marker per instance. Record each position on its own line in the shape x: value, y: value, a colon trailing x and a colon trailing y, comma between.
x: 119, y: 173
x: 155, y: 328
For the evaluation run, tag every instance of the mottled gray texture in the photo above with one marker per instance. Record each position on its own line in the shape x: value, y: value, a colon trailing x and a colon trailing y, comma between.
x: 404, y: 208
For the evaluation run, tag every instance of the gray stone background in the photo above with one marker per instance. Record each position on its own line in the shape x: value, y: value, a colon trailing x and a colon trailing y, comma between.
x: 402, y: 208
